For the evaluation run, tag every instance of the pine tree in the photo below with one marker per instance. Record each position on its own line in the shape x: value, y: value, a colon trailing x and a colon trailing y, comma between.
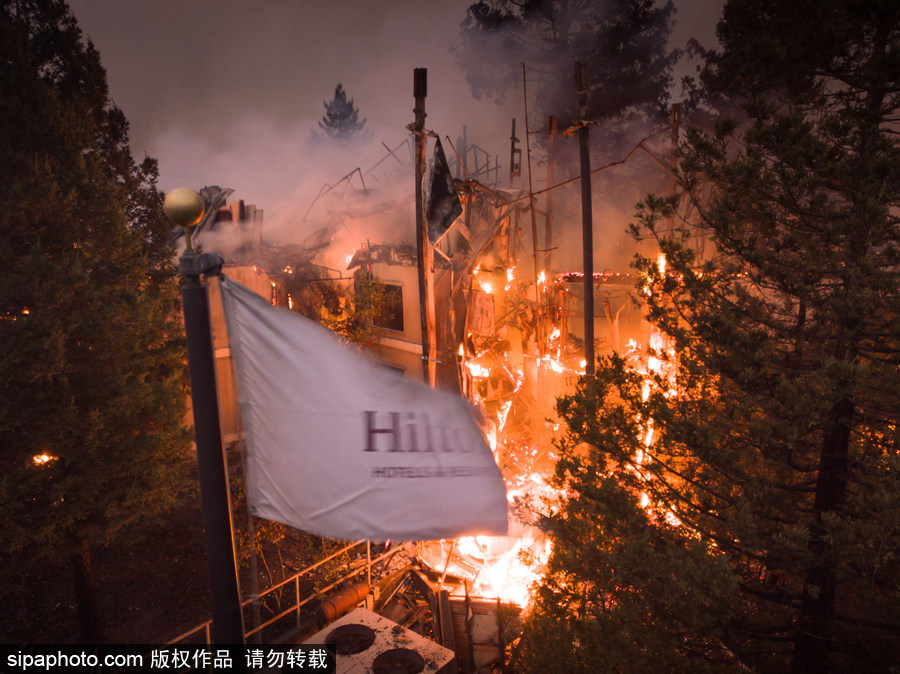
x: 92, y: 384
x: 341, y: 122
x: 762, y: 438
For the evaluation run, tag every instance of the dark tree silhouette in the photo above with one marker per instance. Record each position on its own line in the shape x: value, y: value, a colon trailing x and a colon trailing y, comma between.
x: 92, y: 386
x: 735, y: 506
x: 341, y: 122
x: 623, y: 43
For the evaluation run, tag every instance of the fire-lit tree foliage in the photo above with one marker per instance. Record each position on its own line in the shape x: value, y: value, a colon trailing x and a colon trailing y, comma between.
x: 758, y: 527
x: 355, y: 315
x: 91, y: 378
x: 623, y: 43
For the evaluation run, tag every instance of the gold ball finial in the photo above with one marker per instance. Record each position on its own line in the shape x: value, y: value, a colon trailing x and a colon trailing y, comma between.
x: 184, y: 206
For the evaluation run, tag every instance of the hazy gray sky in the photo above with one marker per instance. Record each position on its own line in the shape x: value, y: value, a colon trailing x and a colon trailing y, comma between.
x: 226, y: 92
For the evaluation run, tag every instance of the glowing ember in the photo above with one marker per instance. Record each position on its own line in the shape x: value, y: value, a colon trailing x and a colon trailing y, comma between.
x: 487, y: 287
x: 511, y: 575
x: 648, y: 436
x: 470, y: 545
x: 42, y: 459
x: 654, y: 363
x: 504, y: 412
x: 491, y: 437
x: 478, y: 370
x: 553, y: 364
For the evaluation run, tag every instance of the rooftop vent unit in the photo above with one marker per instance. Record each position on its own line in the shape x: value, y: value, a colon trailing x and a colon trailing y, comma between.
x: 367, y: 643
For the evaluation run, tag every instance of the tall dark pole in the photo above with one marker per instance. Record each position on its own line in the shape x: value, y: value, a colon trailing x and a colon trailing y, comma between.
x: 675, y: 117
x: 548, y: 222
x: 587, y: 220
x: 531, y: 205
x: 423, y: 250
x: 225, y: 600
x: 515, y: 155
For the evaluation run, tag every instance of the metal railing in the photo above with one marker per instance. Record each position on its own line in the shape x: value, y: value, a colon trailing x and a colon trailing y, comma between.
x: 298, y: 603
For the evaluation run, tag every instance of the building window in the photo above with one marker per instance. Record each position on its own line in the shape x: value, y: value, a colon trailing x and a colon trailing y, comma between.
x: 391, y: 318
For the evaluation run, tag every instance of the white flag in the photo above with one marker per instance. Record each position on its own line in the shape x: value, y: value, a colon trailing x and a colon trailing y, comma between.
x: 342, y: 447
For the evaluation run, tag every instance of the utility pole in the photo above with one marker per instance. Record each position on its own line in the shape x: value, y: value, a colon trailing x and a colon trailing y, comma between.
x: 423, y: 247
x: 587, y: 220
x: 515, y: 155
x: 531, y: 207
x: 548, y: 221
x: 675, y: 119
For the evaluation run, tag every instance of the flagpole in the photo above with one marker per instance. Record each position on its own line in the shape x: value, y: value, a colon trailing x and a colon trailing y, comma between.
x: 423, y: 252
x: 587, y: 221
x: 185, y: 207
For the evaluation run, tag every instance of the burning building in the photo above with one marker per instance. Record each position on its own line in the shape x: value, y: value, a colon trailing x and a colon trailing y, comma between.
x: 509, y: 335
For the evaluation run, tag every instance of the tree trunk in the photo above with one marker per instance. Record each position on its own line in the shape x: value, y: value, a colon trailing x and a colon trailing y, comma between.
x: 816, y: 621
x: 89, y: 621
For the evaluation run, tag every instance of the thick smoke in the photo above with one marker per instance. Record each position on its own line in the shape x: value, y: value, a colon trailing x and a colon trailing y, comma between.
x: 630, y: 85
x: 623, y: 44
x: 228, y: 95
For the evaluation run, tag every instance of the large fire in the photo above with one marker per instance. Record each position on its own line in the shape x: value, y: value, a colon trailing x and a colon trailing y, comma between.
x: 513, y: 391
x: 516, y: 392
x: 657, y: 364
